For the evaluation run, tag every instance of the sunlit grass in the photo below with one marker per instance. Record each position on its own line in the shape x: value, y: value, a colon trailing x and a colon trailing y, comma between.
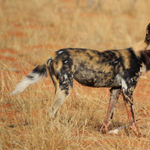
x: 32, y: 29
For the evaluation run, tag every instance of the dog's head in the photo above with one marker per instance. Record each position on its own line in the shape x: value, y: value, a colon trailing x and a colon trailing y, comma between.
x: 147, y: 37
x: 145, y: 53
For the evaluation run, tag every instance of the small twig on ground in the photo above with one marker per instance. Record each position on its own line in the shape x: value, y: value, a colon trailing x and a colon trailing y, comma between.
x: 115, y: 131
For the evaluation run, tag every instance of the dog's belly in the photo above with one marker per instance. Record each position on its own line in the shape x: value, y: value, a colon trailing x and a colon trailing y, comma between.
x: 97, y: 79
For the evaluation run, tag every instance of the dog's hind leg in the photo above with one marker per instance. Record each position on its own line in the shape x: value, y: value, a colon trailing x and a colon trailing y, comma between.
x: 63, y: 81
x: 62, y: 91
x: 114, y: 95
x: 60, y: 97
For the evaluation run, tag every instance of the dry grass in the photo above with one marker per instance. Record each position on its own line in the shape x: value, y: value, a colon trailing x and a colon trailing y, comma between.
x: 31, y: 29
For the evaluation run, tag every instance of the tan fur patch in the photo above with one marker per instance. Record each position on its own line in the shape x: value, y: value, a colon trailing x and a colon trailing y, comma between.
x: 126, y: 55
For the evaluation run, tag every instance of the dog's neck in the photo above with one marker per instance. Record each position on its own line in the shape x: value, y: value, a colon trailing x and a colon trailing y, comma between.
x: 139, y: 47
x: 142, y: 51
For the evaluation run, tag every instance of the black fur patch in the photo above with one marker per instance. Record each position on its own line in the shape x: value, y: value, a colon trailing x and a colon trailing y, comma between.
x: 40, y: 70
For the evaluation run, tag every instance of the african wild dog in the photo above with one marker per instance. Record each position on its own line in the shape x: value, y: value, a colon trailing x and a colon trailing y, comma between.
x: 118, y: 69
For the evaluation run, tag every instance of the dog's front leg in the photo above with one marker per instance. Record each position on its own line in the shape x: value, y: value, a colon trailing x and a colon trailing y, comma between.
x: 114, y: 95
x: 128, y: 98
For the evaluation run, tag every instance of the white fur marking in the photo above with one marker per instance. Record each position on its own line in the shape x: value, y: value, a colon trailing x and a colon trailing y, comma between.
x: 118, y: 80
x: 65, y: 76
x: 60, y: 52
x: 143, y: 68
x: 65, y: 61
x: 124, y: 85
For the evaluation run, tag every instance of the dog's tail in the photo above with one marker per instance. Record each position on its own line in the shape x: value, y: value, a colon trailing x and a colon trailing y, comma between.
x: 37, y: 74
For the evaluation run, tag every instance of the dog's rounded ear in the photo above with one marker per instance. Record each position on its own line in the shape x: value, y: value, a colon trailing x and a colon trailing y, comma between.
x: 147, y: 37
